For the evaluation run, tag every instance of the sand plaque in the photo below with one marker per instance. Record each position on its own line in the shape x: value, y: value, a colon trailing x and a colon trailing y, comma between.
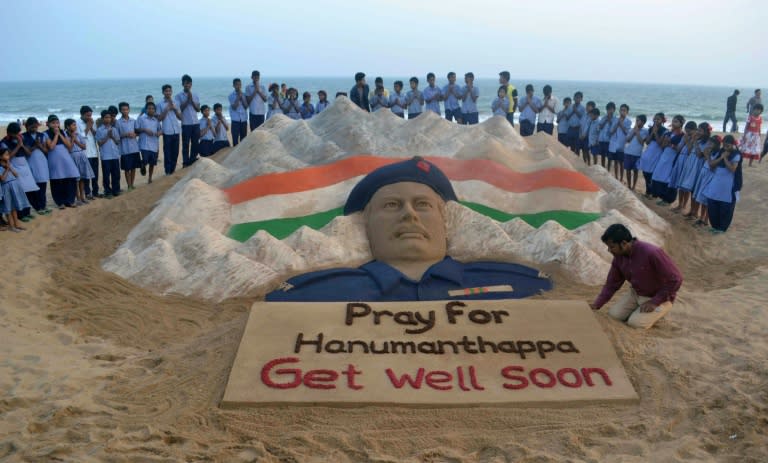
x: 436, y: 353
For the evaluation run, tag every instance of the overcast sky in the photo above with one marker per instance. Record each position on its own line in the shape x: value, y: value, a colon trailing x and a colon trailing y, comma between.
x: 673, y: 41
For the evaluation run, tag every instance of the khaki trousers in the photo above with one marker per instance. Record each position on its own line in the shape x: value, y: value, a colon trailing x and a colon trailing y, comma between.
x: 628, y: 309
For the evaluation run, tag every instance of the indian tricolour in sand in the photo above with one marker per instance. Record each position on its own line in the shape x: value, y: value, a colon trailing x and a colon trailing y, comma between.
x: 271, y: 208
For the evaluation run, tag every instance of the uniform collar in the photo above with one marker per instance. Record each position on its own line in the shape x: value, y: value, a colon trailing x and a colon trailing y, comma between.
x: 387, y: 277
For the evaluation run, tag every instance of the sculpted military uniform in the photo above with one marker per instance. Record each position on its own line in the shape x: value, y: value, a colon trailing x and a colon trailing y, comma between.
x: 405, y: 224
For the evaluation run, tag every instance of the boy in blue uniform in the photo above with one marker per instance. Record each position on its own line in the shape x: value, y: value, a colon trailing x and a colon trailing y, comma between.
x: 635, y: 143
x: 149, y: 130
x: 238, y: 104
x: 452, y: 94
x: 530, y: 106
x: 256, y: 97
x: 575, y: 114
x: 206, y: 132
x: 605, y: 133
x: 414, y: 99
x: 593, y: 149
x: 397, y: 100
x: 619, y: 130
x: 469, y: 96
x: 130, y: 159
x: 220, y: 128
x: 189, y: 105
x: 109, y: 142
x: 586, y: 122
x: 403, y: 205
x: 562, y: 122
x: 432, y: 95
x: 169, y: 115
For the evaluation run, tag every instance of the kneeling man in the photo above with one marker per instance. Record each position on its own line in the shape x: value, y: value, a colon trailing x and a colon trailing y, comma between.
x: 653, y: 277
x: 404, y: 209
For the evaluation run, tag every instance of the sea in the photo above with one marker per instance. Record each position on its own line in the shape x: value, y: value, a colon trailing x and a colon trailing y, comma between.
x: 19, y: 100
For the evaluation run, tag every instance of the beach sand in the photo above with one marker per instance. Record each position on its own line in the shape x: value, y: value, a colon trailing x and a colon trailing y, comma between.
x: 95, y: 368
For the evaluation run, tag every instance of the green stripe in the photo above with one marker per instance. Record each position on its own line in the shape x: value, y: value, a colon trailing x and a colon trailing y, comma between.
x: 282, y: 228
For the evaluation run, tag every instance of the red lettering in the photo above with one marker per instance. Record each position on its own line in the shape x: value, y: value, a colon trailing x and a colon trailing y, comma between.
x: 473, y: 379
x: 350, y: 373
x: 460, y: 375
x: 522, y: 380
x: 586, y: 372
x: 577, y: 377
x: 399, y: 383
x: 314, y: 379
x: 534, y: 373
x: 435, y: 378
x: 266, y: 370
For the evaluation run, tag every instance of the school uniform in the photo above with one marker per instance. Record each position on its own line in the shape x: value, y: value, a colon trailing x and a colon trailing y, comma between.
x: 149, y: 145
x: 452, y: 94
x: 593, y: 132
x: 692, y: 167
x: 190, y: 129
x: 81, y: 159
x: 110, y: 159
x: 499, y: 106
x: 129, y: 147
x: 662, y: 173
x: 14, y: 198
x: 171, y: 132
x: 379, y: 102
x: 307, y: 110
x: 721, y: 193
x: 397, y: 103
x: 650, y: 158
x: 275, y: 104
x: 63, y: 173
x: 220, y: 139
x: 92, y: 153
x: 21, y: 166
x: 575, y: 114
x: 469, y: 112
x: 38, y: 164
x: 562, y: 128
x: 586, y: 126
x: 511, y: 95
x: 257, y: 109
x: 634, y: 149
x: 432, y: 92
x: 292, y: 109
x: 321, y: 106
x: 618, y: 139
x: 415, y: 99
x: 547, y: 116
x: 238, y: 114
x: 677, y: 168
x: 604, y: 138
x: 206, y: 137
x: 528, y: 114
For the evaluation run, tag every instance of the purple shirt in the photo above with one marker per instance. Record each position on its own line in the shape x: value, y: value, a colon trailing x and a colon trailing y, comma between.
x: 648, y: 269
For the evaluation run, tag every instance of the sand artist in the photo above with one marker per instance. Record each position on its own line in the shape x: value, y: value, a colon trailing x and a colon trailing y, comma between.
x: 404, y: 209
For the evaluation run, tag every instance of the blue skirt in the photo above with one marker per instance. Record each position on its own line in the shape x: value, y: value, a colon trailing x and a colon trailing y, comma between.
x: 61, y: 165
x: 25, y: 177
x: 83, y: 165
x: 677, y: 170
x: 14, y: 197
x: 650, y: 157
x: 38, y: 164
x: 690, y: 173
x: 663, y: 170
x: 705, y: 176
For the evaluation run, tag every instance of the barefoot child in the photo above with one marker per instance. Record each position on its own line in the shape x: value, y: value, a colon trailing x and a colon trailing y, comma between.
x: 63, y: 171
x: 750, y: 145
x: 220, y: 129
x: 562, y: 122
x: 586, y: 124
x: 635, y: 142
x: 36, y: 144
x: 689, y: 140
x: 705, y: 176
x: 396, y: 100
x: 619, y: 130
x: 671, y: 143
x: 14, y: 143
x: 13, y: 195
x: 149, y: 130
x: 721, y: 191
x: 692, y: 167
x: 129, y: 145
x: 206, y: 131
x: 605, y: 133
x: 593, y: 148
x: 77, y: 151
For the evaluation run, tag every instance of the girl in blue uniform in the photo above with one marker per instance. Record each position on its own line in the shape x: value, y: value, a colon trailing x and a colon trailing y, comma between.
x: 650, y: 156
x: 81, y: 160
x: 705, y: 176
x: 291, y: 105
x: 14, y: 198
x: 64, y: 173
x: 721, y: 192
x: 691, y: 168
x: 670, y: 144
x: 689, y: 140
x: 18, y: 153
x: 274, y: 101
x: 36, y: 145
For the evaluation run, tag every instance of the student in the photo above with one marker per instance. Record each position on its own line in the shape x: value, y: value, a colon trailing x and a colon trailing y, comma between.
x: 414, y: 99
x: 129, y: 145
x: 634, y: 148
x: 274, y: 101
x: 149, y: 130
x: 432, y: 95
x: 256, y: 96
x: 13, y: 197
x: 108, y: 139
x: 722, y: 190
x: 307, y: 110
x: 575, y: 115
x: 593, y: 148
x: 220, y: 128
x: 378, y: 84
x: 322, y: 102
x: 17, y: 152
x: 469, y: 96
x: 750, y: 144
x: 86, y: 128
x: 586, y: 125
x: 169, y: 115
x: 378, y: 99
x: 690, y: 136
x: 650, y: 156
x: 452, y: 94
x: 147, y: 99
x: 189, y: 105
x: 619, y: 130
x: 500, y: 105
x: 605, y: 133
x: 206, y: 132
x: 691, y: 168
x: 529, y: 107
x: 671, y: 143
x: 291, y: 106
x: 511, y: 92
x: 77, y: 151
x: 62, y: 168
x: 37, y: 145
x: 711, y: 152
x: 548, y: 111
x: 238, y: 112
x: 359, y: 93
x: 397, y: 100
x: 562, y: 122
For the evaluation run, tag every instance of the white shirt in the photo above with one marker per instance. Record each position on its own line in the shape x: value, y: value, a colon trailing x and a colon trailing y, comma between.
x: 91, y: 149
x: 547, y: 115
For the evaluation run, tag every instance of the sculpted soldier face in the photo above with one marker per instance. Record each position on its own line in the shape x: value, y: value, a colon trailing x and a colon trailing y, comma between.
x: 405, y: 222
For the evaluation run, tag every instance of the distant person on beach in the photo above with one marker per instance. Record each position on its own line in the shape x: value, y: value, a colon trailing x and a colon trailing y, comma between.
x: 549, y: 107
x: 77, y: 151
x: 63, y: 171
x: 452, y: 95
x: 414, y: 98
x: 189, y: 104
x: 587, y: 124
x: 238, y: 112
x: 750, y: 142
x: 604, y: 138
x: 576, y: 114
x: 671, y: 144
x: 37, y: 146
x: 256, y: 96
x: 12, y: 197
x: 378, y: 83
x: 206, y: 131
x: 432, y: 95
x: 653, y: 277
x: 723, y: 190
x: 397, y: 100
x: 291, y: 106
x: 589, y: 156
x: 469, y: 95
x: 18, y: 152
x: 109, y: 146
x: 322, y: 102
x: 169, y: 115
x: 511, y: 91
x: 500, y: 104
x: 149, y: 129
x: 692, y: 169
x: 756, y: 99
x: 130, y: 159
x: 562, y: 122
x: 86, y: 127
x: 307, y: 110
x: 274, y: 101
x: 379, y: 100
x: 530, y: 106
x: 220, y: 128
x: 359, y: 93
x: 730, y: 112
x: 633, y: 150
x: 619, y: 130
x: 652, y: 152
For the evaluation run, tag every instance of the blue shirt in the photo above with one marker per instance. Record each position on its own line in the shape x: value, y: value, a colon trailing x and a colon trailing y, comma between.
x: 148, y: 142
x: 292, y: 108
x: 257, y: 106
x: 469, y: 106
x: 605, y: 128
x: 220, y: 133
x: 576, y: 113
x: 452, y: 96
x: 378, y: 102
x: 377, y: 281
x: 238, y: 111
x: 208, y: 135
x: 307, y: 111
x: 321, y: 105
x: 400, y: 99
x: 592, y: 132
x: 109, y: 150
x: 635, y: 146
x: 273, y: 101
x: 432, y: 92
x: 171, y: 123
x: 619, y: 137
x: 188, y: 114
x: 562, y: 121
x: 586, y: 123
x: 528, y: 114
x: 127, y: 145
x: 499, y: 106
x: 415, y: 100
